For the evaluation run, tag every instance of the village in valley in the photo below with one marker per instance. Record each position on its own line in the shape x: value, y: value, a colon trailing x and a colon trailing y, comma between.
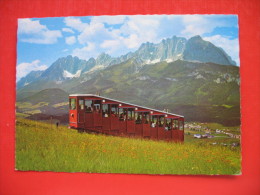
x: 212, y: 133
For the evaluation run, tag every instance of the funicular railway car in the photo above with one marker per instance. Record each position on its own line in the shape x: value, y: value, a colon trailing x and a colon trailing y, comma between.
x: 108, y: 116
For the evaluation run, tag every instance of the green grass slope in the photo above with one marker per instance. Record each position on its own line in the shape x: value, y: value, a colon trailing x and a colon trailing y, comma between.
x: 48, y: 101
x: 43, y: 147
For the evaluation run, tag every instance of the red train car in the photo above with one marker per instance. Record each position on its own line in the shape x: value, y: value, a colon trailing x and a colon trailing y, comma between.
x: 104, y: 115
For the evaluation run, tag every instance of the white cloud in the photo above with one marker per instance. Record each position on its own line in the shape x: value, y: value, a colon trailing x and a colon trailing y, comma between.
x: 111, y: 47
x: 200, y: 24
x: 109, y: 19
x: 75, y: 23
x: 69, y: 30
x: 197, y: 25
x: 86, y: 52
x: 143, y: 27
x: 37, y: 33
x: 95, y: 32
x: 27, y: 26
x: 24, y: 68
x: 47, y: 37
x: 231, y: 46
x: 70, y: 40
x: 133, y: 41
x: 129, y: 36
x: 110, y: 43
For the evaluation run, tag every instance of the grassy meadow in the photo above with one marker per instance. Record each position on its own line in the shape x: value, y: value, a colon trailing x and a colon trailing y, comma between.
x: 43, y: 147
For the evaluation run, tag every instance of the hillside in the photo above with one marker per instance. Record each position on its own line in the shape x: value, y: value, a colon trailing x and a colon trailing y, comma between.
x: 199, y: 91
x: 48, y: 101
x: 66, y: 150
x: 202, y: 92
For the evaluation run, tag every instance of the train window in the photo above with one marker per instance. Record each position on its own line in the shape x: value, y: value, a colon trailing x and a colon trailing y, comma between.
x: 154, y: 121
x: 138, y: 118
x: 81, y: 104
x: 175, y: 124
x: 97, y: 106
x: 114, y: 110
x: 72, y: 103
x: 122, y: 115
x: 168, y: 124
x: 106, y: 110
x: 161, y: 121
x: 130, y: 114
x: 88, y: 106
x: 146, y: 118
x: 181, y: 125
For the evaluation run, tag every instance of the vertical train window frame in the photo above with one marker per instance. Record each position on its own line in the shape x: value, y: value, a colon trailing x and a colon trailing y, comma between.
x: 73, y: 104
x: 88, y: 106
x: 81, y: 104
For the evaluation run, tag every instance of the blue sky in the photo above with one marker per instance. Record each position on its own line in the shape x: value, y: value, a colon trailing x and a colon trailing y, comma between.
x: 41, y: 41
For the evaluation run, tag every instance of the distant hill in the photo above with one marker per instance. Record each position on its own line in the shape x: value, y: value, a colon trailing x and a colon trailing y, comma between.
x: 52, y: 96
x: 48, y: 101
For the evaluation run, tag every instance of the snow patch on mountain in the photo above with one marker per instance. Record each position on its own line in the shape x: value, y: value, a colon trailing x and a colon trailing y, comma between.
x: 152, y: 61
x: 27, y: 83
x: 143, y: 78
x: 171, y: 79
x: 97, y: 67
x: 199, y: 76
x: 168, y: 60
x: 69, y: 75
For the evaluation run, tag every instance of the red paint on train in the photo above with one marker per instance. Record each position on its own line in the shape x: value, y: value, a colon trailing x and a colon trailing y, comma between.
x: 108, y: 116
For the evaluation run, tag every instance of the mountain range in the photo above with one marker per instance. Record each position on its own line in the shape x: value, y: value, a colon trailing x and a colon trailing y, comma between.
x: 191, y: 77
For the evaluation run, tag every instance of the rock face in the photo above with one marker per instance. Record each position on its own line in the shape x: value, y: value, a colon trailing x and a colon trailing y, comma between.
x: 203, y: 51
x: 31, y: 77
x: 69, y: 64
x: 169, y: 49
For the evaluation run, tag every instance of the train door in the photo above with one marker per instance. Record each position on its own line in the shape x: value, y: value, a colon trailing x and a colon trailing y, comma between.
x: 122, y: 121
x: 154, y: 126
x: 97, y: 114
x: 130, y: 121
x: 114, y: 119
x: 146, y: 125
x: 81, y: 114
x: 89, y: 120
x: 73, y: 113
x: 106, y: 120
x: 175, y: 127
x: 161, y: 128
x: 139, y: 124
x: 168, y: 129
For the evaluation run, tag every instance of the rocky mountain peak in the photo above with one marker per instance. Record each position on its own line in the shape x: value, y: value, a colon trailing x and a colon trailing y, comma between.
x: 199, y: 50
x: 169, y: 50
x: 103, y: 59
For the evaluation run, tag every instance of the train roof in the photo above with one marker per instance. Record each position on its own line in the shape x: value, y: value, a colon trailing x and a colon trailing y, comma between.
x: 121, y: 102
